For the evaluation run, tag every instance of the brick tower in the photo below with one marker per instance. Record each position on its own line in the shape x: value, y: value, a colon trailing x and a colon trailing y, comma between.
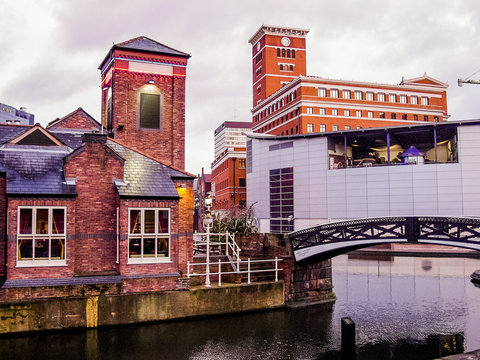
x: 278, y: 57
x: 143, y: 98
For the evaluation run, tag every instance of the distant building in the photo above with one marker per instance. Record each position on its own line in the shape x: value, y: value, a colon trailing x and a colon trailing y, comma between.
x: 202, y: 188
x: 11, y: 115
x: 299, y: 181
x: 286, y: 101
x: 228, y: 168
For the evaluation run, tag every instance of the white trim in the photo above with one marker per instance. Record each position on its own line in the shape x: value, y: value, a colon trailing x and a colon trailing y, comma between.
x: 49, y: 235
x: 155, y: 235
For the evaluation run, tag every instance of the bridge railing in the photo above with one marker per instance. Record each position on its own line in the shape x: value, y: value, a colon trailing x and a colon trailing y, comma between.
x: 247, y: 267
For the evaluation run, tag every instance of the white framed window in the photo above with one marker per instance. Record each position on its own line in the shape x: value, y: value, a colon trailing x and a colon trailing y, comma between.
x: 359, y: 113
x: 334, y: 127
x: 414, y: 99
x: 346, y: 112
x: 392, y: 98
x: 334, y: 112
x: 41, y: 236
x: 424, y: 100
x: 369, y: 96
x: 148, y: 235
x: 322, y: 92
x: 359, y: 127
x: 358, y: 95
x: 323, y: 128
x: 370, y: 114
x: 381, y: 97
x: 310, y: 128
x: 347, y: 127
x: 346, y: 94
x: 309, y: 110
x: 403, y: 99
x: 334, y: 93
x: 322, y: 111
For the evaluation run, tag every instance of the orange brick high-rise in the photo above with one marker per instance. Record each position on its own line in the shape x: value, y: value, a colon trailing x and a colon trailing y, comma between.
x: 143, y: 98
x: 287, y: 102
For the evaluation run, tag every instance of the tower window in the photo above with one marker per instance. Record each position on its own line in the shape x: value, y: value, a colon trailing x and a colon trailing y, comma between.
x: 278, y: 52
x: 150, y: 111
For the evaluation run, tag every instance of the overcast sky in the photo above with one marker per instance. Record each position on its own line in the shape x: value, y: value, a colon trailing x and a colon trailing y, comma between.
x: 50, y: 51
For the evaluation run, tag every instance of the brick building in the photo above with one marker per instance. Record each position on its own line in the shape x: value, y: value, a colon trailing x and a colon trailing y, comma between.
x: 286, y: 101
x: 229, y: 166
x: 87, y: 209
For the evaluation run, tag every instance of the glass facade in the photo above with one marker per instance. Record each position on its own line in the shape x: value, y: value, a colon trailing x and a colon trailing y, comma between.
x: 281, y: 200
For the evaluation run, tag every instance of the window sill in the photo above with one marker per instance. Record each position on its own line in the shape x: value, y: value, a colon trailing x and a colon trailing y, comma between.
x: 40, y: 263
x: 148, y: 261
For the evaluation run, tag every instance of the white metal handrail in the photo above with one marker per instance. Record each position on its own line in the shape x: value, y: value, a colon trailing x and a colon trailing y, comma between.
x: 231, y: 247
x: 248, y: 271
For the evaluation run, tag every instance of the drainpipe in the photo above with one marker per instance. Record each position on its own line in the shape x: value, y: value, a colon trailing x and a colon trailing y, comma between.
x: 435, y: 140
x: 388, y: 148
x: 118, y: 237
x: 234, y: 182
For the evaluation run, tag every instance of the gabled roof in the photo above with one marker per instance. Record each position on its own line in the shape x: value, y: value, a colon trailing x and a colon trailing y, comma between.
x: 143, y: 177
x: 86, y: 121
x: 145, y: 44
x: 34, y: 170
x: 424, y: 80
x: 35, y: 135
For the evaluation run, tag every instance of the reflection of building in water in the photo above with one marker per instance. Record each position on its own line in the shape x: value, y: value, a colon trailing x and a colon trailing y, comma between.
x: 427, y: 169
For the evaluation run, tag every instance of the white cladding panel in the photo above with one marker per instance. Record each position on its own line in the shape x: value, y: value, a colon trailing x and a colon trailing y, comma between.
x: 322, y: 194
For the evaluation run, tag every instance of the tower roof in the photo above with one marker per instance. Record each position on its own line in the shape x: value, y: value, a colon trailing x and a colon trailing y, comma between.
x: 277, y: 30
x: 144, y: 44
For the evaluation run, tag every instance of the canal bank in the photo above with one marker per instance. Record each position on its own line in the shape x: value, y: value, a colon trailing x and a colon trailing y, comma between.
x: 108, y: 310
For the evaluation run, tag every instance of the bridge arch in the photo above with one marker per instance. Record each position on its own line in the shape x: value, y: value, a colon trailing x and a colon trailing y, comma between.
x: 336, y: 238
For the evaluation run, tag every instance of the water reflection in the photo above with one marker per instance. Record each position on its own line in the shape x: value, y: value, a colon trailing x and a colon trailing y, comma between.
x: 419, y: 306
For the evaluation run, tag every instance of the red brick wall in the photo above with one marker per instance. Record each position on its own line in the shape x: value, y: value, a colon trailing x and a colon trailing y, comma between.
x: 95, y: 167
x: 152, y: 268
x: 224, y: 179
x: 14, y: 272
x: 77, y: 120
x: 167, y: 144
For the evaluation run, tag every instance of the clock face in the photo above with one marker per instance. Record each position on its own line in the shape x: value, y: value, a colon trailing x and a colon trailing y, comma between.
x: 285, y: 41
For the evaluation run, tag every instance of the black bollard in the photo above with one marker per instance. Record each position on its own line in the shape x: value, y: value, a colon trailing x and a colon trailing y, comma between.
x: 348, y: 339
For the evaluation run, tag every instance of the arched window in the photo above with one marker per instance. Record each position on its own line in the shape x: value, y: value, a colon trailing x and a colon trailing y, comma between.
x: 281, y: 66
x: 288, y: 52
x: 293, y: 54
x: 278, y: 52
x: 283, y: 52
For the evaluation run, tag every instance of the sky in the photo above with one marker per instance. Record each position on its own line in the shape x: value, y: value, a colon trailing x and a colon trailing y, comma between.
x: 50, y: 51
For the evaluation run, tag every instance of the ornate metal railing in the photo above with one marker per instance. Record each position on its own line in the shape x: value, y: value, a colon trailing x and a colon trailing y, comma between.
x: 459, y: 231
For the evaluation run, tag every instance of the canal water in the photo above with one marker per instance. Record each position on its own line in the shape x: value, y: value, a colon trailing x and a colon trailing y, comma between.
x: 403, y: 307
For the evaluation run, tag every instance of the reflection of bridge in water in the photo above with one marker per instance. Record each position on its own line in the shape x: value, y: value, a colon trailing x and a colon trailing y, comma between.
x: 327, y: 240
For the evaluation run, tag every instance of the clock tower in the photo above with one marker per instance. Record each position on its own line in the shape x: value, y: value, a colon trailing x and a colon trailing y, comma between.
x: 278, y: 57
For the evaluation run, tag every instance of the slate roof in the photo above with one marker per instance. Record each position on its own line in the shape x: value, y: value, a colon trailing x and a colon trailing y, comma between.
x: 38, y: 170
x: 145, y: 177
x: 35, y: 170
x: 142, y: 43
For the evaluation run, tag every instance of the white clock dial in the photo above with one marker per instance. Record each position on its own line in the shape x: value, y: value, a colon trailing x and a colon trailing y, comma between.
x: 285, y: 41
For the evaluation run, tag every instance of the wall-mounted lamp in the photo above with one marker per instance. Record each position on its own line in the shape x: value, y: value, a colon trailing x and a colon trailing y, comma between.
x: 105, y: 87
x: 151, y: 82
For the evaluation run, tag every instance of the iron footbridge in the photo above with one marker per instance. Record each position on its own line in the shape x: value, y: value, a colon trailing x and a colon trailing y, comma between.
x: 340, y: 237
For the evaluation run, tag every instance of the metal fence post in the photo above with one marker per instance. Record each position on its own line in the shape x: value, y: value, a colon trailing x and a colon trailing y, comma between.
x: 276, y: 268
x: 248, y: 271
x: 188, y: 269
x: 219, y: 272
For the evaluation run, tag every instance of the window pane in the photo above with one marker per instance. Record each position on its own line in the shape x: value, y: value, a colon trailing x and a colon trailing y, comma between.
x: 41, y: 249
x: 42, y: 221
x: 163, y: 225
x: 150, y: 111
x: 162, y: 246
x: 149, y: 221
x: 149, y: 247
x: 58, y: 249
x: 25, y: 249
x: 135, y: 221
x: 134, y: 248
x: 25, y: 221
x: 58, y: 226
